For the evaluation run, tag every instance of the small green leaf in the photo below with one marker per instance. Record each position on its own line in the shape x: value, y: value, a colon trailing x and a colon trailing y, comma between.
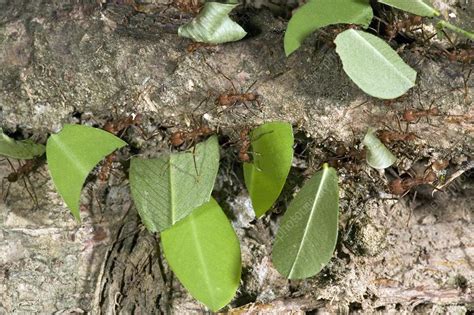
x: 373, y: 65
x: 167, y: 189
x: 441, y: 25
x: 21, y: 150
x: 418, y: 7
x: 319, y: 13
x: 272, y: 151
x: 307, y: 235
x: 377, y: 156
x: 72, y: 154
x: 212, y: 25
x: 204, y: 253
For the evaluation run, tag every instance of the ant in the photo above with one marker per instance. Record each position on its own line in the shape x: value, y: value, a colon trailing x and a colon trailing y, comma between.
x: 394, y: 28
x: 402, y: 186
x: 192, y: 47
x: 411, y: 115
x: 115, y: 127
x: 188, y: 6
x: 177, y: 138
x: 244, y: 155
x: 232, y: 98
x: 22, y: 173
x: 387, y: 136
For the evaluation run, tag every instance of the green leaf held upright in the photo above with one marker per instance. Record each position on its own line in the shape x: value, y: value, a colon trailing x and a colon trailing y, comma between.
x: 373, y: 65
x: 167, y: 189
x: 319, y: 13
x: 418, y: 7
x: 307, y: 236
x: 213, y: 25
x: 272, y: 152
x: 72, y: 154
x: 21, y: 150
x: 204, y: 253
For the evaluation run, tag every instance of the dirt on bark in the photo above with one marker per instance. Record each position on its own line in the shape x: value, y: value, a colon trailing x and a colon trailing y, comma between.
x: 70, y: 62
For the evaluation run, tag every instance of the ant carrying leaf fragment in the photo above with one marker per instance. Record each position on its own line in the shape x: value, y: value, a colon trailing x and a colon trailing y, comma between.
x: 272, y: 155
x: 166, y: 189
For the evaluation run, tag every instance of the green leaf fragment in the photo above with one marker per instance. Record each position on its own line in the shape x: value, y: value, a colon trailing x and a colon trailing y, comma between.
x: 377, y: 156
x: 319, y: 13
x: 307, y: 235
x: 72, y: 154
x: 204, y: 253
x: 373, y: 65
x: 21, y: 150
x: 441, y: 25
x: 418, y: 7
x: 167, y: 189
x: 272, y: 152
x: 213, y: 25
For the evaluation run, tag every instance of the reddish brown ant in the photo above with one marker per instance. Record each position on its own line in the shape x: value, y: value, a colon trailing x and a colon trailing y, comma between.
x: 407, y: 24
x: 115, y: 127
x: 198, y: 45
x: 22, y: 173
x: 387, y: 136
x: 411, y: 115
x: 188, y: 6
x: 178, y: 138
x: 401, y: 186
x: 230, y: 99
x: 245, y: 143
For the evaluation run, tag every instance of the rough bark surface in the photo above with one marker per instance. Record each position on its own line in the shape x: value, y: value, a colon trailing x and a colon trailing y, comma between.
x: 69, y: 62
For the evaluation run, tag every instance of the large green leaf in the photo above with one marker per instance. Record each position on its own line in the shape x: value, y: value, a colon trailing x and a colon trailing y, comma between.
x: 212, y: 25
x: 21, y: 150
x: 167, y: 189
x: 377, y: 156
x: 307, y: 235
x: 204, y: 253
x: 373, y: 65
x: 72, y: 154
x: 418, y: 7
x: 272, y: 151
x: 319, y: 13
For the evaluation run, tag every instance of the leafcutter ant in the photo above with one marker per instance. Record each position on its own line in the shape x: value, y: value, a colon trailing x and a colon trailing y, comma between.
x: 21, y: 173
x: 387, y: 136
x: 402, y: 186
x: 116, y: 127
x: 232, y: 98
x: 412, y: 115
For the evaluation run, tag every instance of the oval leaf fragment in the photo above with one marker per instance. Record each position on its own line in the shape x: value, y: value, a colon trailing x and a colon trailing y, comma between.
x: 418, y: 7
x: 72, y: 154
x: 307, y: 235
x: 167, y: 189
x: 213, y: 25
x: 204, y: 253
x: 272, y: 153
x: 373, y: 65
x: 319, y: 13
x: 377, y: 156
x: 21, y: 150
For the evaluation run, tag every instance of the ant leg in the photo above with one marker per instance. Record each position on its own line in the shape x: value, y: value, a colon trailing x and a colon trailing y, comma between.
x: 11, y: 165
x: 33, y: 196
x: 248, y: 108
x: 205, y: 100
x: 251, y: 85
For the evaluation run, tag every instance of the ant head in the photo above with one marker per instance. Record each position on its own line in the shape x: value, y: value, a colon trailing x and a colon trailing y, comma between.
x: 396, y: 187
x: 409, y: 115
x: 177, y: 138
x: 13, y: 177
x: 244, y: 157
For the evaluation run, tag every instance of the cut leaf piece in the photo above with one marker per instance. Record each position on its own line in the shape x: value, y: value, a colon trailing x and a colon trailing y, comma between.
x: 212, y: 25
x: 377, y: 156
x: 167, y: 189
x: 418, y: 7
x: 204, y: 253
x: 373, y: 65
x: 307, y: 235
x: 319, y: 13
x: 272, y: 152
x: 72, y: 154
x: 21, y: 150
